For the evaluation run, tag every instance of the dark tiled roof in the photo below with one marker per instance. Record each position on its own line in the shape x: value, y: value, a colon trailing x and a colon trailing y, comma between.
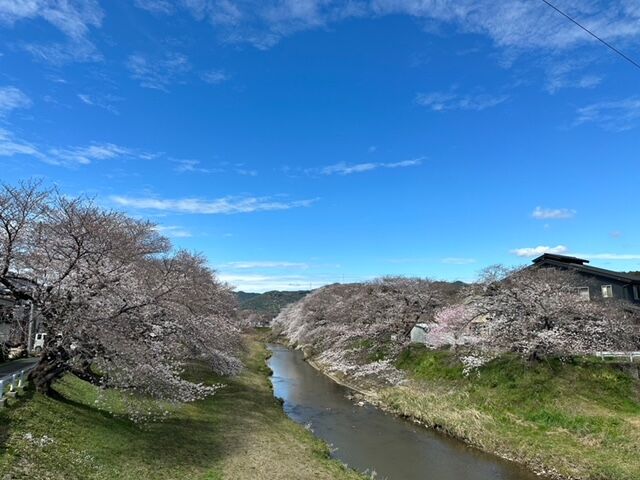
x: 560, y: 258
x: 569, y: 262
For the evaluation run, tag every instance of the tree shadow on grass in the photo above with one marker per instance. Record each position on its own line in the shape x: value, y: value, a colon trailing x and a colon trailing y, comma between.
x: 196, y: 437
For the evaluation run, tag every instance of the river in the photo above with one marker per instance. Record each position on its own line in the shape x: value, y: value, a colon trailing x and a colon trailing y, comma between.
x: 368, y: 439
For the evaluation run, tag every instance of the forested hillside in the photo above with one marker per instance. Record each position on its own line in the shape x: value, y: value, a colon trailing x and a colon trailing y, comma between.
x: 269, y: 303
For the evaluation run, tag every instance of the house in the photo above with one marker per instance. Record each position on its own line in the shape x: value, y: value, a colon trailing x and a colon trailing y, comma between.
x: 419, y: 333
x: 597, y: 283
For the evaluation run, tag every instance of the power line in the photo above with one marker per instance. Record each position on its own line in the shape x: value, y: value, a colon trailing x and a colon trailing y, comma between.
x: 630, y: 60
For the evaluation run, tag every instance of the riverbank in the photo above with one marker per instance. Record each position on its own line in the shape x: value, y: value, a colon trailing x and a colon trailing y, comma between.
x: 239, y: 433
x: 577, y: 419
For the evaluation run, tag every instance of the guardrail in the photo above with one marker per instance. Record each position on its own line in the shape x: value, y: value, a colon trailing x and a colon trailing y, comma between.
x: 13, y: 381
x: 630, y: 355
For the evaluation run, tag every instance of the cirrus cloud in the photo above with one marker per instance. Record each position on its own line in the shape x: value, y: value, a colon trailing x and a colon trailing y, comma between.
x: 157, y: 73
x: 443, y: 101
x: 512, y: 24
x: 12, y: 98
x: 458, y: 260
x: 11, y: 146
x: 539, y: 250
x: 220, y: 206
x: 540, y: 213
x: 73, y: 18
x: 613, y: 115
x: 249, y: 265
x: 348, y: 169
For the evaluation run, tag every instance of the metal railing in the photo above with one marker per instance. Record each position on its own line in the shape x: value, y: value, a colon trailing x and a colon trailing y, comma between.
x: 13, y: 381
x: 623, y: 355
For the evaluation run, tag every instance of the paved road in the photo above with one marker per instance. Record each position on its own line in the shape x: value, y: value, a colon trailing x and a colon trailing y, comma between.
x: 15, y: 366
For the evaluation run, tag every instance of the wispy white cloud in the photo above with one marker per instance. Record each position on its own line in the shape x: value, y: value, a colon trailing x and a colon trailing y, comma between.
x: 536, y: 251
x: 105, y: 102
x: 609, y: 256
x: 257, y: 282
x: 12, y: 98
x: 569, y: 74
x: 11, y: 146
x: 74, y: 18
x: 192, y: 166
x: 432, y: 260
x: 247, y: 173
x: 196, y: 166
x: 540, y: 213
x: 348, y: 169
x: 225, y: 205
x: 511, y: 24
x: 250, y: 265
x: 84, y: 155
x: 156, y: 6
x: 72, y: 156
x: 522, y: 24
x: 443, y: 101
x: 214, y: 77
x: 173, y: 231
x: 60, y: 53
x: 561, y: 250
x: 458, y: 261
x: 158, y: 73
x: 264, y: 283
x: 516, y: 25
x: 615, y: 115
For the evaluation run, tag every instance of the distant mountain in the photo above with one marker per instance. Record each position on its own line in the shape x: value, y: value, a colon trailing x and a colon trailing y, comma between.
x: 269, y: 303
x: 245, y: 296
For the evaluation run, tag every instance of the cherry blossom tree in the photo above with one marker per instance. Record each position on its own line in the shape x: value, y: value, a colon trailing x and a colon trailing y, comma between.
x: 451, y: 327
x: 113, y: 297
x: 537, y: 312
x: 532, y: 311
x: 352, y: 325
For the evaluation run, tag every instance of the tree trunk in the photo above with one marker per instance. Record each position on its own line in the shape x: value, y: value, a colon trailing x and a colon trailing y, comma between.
x: 84, y: 372
x: 535, y: 356
x: 52, y: 366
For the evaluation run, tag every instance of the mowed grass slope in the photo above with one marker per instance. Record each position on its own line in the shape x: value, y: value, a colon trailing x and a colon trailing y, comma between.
x: 239, y: 433
x: 578, y: 417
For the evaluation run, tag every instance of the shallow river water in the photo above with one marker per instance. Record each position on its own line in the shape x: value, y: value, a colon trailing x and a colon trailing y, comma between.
x: 368, y: 439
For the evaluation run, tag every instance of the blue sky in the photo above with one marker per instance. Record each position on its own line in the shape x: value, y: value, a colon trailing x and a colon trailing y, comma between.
x: 298, y: 143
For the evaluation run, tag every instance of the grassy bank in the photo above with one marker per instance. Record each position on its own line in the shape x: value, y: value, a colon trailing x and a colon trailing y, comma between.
x: 579, y: 418
x: 239, y: 433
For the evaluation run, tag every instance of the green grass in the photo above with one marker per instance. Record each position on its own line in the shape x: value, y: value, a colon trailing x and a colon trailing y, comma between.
x: 239, y: 433
x: 430, y: 364
x: 373, y: 351
x: 579, y: 417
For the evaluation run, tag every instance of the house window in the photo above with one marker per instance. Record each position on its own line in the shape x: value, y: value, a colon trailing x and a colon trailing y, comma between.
x: 583, y: 293
x: 636, y: 292
x: 607, y: 291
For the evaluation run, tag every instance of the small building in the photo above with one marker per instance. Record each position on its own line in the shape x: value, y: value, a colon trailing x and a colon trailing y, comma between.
x: 419, y: 333
x: 597, y: 283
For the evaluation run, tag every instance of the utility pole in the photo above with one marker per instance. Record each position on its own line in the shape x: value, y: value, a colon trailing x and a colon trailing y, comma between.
x: 31, y: 328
